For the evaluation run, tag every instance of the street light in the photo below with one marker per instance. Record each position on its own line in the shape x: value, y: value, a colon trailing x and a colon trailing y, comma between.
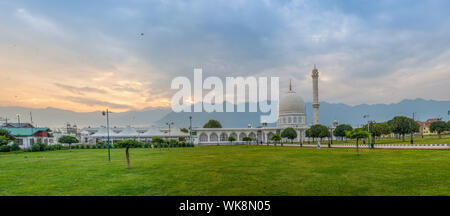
x: 18, y: 119
x: 368, y: 127
x: 169, y: 124
x: 410, y: 127
x: 190, y: 129
x: 106, y: 113
x: 330, y: 141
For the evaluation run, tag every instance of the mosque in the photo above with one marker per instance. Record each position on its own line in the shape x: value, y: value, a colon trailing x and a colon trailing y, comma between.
x: 291, y: 113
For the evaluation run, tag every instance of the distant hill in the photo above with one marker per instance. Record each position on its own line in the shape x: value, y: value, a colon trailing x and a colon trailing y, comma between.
x: 424, y: 109
x: 51, y: 117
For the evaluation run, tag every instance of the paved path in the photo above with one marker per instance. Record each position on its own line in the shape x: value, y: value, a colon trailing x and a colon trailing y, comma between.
x: 379, y: 146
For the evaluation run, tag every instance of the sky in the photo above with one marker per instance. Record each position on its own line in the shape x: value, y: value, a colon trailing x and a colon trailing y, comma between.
x: 87, y: 55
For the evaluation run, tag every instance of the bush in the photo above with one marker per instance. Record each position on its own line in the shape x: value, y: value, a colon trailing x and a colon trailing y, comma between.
x: 146, y: 145
x: 42, y: 146
x: 5, y: 148
x: 35, y: 148
x: 49, y: 148
x: 58, y: 147
x: 15, y: 147
x: 82, y: 147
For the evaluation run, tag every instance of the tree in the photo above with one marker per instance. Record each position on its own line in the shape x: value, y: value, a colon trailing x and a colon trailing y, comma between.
x: 7, y: 134
x: 4, y: 141
x: 308, y: 134
x: 127, y: 144
x: 319, y: 131
x: 275, y: 138
x: 158, y: 141
x: 231, y: 139
x: 377, y: 129
x: 357, y: 134
x: 247, y: 139
x: 439, y: 127
x: 212, y: 124
x: 289, y: 133
x: 68, y: 140
x: 184, y: 130
x: 341, y: 129
x: 402, y: 125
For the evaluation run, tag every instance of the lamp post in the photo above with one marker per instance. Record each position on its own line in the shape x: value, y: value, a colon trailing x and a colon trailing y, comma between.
x: 368, y: 127
x: 410, y: 127
x: 18, y: 119
x: 190, y: 129
x: 169, y: 124
x: 106, y: 113
x: 331, y: 138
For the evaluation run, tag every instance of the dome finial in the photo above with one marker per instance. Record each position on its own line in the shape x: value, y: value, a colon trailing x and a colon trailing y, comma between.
x: 290, y: 85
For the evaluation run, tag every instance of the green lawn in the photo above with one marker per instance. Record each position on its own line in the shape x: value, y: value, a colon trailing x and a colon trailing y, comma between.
x: 227, y: 170
x: 434, y: 139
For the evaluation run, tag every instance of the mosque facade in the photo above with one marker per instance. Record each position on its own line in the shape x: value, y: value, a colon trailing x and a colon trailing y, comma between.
x: 291, y: 114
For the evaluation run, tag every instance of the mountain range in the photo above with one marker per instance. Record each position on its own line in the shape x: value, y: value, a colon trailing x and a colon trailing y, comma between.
x: 353, y: 115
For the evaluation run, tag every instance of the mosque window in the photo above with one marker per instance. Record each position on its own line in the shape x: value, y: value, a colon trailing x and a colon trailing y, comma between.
x: 203, y: 137
x: 289, y: 120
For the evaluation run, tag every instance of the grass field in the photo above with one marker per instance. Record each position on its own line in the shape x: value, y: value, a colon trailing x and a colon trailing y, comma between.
x: 434, y: 139
x: 227, y: 170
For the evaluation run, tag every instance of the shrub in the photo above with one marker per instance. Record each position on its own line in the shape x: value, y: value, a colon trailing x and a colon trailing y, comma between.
x: 82, y: 147
x: 58, y: 147
x: 49, y: 148
x: 5, y: 148
x: 42, y: 146
x: 146, y: 145
x: 15, y: 147
x: 35, y: 148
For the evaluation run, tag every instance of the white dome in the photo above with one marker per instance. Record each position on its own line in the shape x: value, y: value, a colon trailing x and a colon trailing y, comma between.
x: 291, y: 102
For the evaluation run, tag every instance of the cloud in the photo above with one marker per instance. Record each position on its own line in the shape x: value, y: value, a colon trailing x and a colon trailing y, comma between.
x: 80, y: 90
x: 367, y: 51
x: 94, y: 102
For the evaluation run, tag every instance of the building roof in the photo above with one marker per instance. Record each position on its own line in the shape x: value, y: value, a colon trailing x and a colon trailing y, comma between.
x: 17, y: 125
x: 24, y: 132
x: 291, y: 102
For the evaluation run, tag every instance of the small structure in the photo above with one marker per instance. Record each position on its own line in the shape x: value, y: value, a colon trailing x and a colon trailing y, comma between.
x: 26, y: 136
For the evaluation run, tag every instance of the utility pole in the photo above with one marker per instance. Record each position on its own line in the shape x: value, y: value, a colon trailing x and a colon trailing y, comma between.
x: 107, y: 128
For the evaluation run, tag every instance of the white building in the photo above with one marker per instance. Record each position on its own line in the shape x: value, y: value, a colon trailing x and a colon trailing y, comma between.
x: 291, y: 114
x: 143, y: 135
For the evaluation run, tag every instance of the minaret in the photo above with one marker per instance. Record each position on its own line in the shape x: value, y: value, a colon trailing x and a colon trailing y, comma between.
x: 315, y: 105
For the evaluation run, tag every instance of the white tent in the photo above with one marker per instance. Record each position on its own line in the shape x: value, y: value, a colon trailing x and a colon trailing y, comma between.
x: 128, y: 132
x: 153, y: 132
x: 103, y: 132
